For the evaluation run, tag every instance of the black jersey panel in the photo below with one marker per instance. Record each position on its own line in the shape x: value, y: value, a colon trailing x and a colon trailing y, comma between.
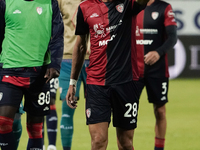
x: 119, y: 53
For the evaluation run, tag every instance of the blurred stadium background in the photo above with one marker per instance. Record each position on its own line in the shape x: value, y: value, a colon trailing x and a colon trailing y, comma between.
x: 183, y: 109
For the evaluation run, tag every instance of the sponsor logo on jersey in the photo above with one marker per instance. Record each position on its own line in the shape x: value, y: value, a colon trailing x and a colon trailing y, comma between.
x: 105, y: 42
x: 139, y: 31
x: 154, y: 15
x: 94, y: 15
x: 144, y: 42
x: 120, y: 22
x: 88, y: 112
x: 112, y: 28
x: 99, y: 30
x: 149, y: 31
x: 170, y: 14
x: 120, y: 8
x: 1, y: 96
x: 17, y: 12
x: 39, y: 10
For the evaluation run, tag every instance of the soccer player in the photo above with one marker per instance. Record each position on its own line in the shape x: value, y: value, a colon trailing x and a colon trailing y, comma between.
x: 17, y: 126
x: 155, y: 35
x: 68, y: 10
x: 52, y: 118
x: 112, y: 73
x: 31, y: 56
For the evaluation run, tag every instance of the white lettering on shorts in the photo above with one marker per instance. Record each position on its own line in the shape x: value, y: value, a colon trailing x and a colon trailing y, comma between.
x: 3, y: 144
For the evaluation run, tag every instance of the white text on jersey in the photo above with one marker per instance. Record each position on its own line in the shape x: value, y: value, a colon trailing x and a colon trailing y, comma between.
x: 105, y: 42
x: 144, y: 42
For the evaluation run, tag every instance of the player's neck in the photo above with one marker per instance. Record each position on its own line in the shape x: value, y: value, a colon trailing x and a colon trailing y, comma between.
x: 107, y: 1
x: 150, y: 2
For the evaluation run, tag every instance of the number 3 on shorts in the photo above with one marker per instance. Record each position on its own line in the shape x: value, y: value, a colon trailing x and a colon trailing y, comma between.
x: 131, y: 108
x: 164, y: 86
x: 44, y: 98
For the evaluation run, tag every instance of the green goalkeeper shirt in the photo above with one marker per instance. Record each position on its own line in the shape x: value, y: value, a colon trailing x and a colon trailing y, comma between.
x: 27, y: 33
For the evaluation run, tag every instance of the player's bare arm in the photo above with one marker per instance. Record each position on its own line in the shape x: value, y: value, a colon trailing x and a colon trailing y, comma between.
x: 78, y: 57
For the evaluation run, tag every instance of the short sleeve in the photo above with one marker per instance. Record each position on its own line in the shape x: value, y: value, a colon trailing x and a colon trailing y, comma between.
x: 81, y: 26
x: 169, y: 16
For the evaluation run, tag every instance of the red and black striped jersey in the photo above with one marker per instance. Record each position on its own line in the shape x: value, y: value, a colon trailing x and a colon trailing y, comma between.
x: 151, y: 35
x: 113, y: 58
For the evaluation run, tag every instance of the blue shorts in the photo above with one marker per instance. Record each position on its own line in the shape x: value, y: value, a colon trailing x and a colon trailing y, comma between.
x: 34, y: 89
x: 157, y: 89
x: 64, y: 78
x: 120, y: 100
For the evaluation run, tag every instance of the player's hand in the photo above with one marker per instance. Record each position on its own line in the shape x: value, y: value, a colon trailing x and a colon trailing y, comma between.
x: 151, y: 57
x: 51, y: 73
x: 70, y: 97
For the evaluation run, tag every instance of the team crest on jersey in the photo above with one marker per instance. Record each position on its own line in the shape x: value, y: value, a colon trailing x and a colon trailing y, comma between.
x: 88, y: 112
x: 120, y: 8
x: 154, y: 15
x: 1, y: 96
x: 39, y: 10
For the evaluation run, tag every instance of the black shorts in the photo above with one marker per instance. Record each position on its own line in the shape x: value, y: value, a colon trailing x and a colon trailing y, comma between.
x: 34, y: 89
x: 157, y: 89
x: 120, y: 100
x: 54, y: 84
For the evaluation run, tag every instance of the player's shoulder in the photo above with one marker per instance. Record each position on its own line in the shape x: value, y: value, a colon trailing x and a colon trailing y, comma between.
x: 163, y: 3
x: 87, y: 3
